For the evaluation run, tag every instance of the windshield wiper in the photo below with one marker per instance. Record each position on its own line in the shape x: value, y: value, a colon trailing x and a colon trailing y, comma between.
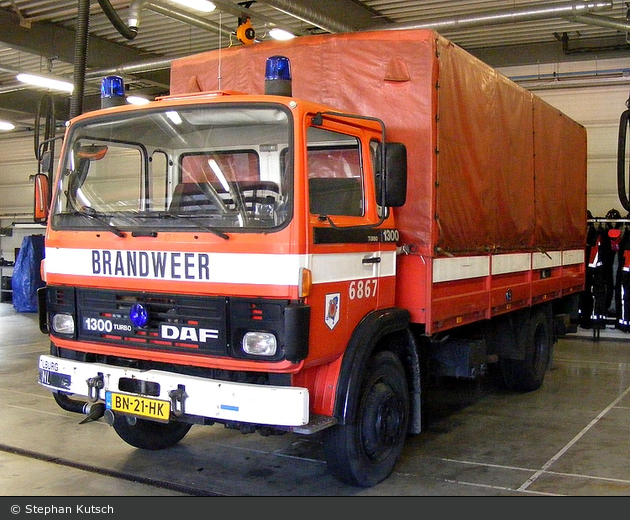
x: 88, y: 212
x: 191, y: 218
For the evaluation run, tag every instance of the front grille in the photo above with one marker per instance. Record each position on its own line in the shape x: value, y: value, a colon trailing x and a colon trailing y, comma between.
x: 181, y: 323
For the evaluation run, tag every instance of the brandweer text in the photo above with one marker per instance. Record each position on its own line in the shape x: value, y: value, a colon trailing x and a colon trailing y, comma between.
x: 151, y: 264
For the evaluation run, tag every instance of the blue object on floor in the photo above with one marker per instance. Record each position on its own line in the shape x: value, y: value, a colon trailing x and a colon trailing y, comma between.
x: 26, y: 274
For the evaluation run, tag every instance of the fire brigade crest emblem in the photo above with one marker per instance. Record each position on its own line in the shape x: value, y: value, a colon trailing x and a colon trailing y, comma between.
x: 332, y: 310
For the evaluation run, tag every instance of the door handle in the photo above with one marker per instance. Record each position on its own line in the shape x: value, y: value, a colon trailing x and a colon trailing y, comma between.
x: 372, y: 260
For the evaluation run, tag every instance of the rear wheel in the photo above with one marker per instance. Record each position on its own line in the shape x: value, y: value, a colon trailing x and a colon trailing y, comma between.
x: 149, y: 435
x: 528, y: 374
x: 365, y: 452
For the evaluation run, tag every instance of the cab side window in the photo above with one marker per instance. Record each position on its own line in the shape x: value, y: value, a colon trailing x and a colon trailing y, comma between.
x: 335, y: 175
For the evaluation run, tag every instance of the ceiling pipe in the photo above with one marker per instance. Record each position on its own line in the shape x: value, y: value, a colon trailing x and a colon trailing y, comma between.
x: 601, y: 21
x: 295, y: 10
x: 170, y: 11
x: 186, y: 17
x: 132, y: 68
x: 128, y: 70
x: 495, y: 17
x: 13, y: 88
x: 80, y: 57
x: 503, y: 16
x: 5, y: 70
x: 126, y: 32
x: 136, y: 7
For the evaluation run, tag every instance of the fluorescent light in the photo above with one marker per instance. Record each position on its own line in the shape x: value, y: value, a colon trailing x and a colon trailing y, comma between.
x: 6, y: 126
x: 137, y: 100
x: 281, y: 34
x: 46, y: 82
x: 198, y: 5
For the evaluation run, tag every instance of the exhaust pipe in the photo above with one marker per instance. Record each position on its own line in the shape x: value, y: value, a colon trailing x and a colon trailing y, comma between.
x: 92, y: 411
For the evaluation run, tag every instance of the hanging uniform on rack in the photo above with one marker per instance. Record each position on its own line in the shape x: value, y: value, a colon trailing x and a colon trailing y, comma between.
x: 623, y: 283
x: 612, y: 263
x: 600, y: 267
x: 615, y: 236
x: 586, y: 297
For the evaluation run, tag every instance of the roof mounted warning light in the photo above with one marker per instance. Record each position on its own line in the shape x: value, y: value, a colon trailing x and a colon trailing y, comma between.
x: 112, y: 92
x: 278, y: 76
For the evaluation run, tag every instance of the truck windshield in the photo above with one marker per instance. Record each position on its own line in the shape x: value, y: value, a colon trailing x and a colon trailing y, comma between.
x: 216, y: 168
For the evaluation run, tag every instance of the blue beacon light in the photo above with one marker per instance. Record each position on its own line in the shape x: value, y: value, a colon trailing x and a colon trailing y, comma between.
x: 112, y: 92
x: 278, y: 76
x: 139, y: 315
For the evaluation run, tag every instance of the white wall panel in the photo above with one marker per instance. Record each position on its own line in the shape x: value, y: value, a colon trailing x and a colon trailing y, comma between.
x: 590, y: 105
x: 17, y: 163
x: 598, y: 107
x: 602, y: 140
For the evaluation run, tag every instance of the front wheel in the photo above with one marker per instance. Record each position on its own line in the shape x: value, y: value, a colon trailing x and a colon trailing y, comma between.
x: 365, y: 452
x: 149, y: 435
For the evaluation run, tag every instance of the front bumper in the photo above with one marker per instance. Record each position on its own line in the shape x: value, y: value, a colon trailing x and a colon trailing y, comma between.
x: 211, y: 398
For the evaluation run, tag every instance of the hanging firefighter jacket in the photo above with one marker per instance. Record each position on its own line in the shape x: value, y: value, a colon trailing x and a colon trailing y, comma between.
x: 623, y: 284
x: 606, y: 297
x: 586, y: 298
x: 600, y: 280
x: 615, y: 235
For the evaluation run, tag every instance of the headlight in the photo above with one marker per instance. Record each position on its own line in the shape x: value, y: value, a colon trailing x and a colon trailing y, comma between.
x: 63, y: 323
x: 260, y: 343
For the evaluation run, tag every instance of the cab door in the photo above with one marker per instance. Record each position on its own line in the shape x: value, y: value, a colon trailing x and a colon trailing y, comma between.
x: 345, y: 240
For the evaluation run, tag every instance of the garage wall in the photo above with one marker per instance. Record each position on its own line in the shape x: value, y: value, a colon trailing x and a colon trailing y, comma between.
x: 597, y: 107
x: 17, y: 163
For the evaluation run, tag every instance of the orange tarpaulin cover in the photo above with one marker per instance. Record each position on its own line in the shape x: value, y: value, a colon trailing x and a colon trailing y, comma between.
x: 489, y: 165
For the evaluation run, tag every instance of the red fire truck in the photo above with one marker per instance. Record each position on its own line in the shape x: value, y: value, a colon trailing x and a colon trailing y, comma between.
x: 284, y: 241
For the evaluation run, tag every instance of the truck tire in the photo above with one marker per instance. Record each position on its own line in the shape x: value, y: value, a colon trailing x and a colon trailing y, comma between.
x: 527, y: 375
x: 149, y: 435
x: 365, y: 452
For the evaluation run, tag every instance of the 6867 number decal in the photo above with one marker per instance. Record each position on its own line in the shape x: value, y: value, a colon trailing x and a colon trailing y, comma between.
x: 362, y: 289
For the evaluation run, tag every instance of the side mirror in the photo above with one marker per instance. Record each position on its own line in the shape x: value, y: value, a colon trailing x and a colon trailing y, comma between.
x: 46, y: 162
x: 395, y: 182
x: 41, y: 198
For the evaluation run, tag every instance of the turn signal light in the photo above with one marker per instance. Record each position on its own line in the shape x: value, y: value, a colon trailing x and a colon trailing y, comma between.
x: 306, y: 282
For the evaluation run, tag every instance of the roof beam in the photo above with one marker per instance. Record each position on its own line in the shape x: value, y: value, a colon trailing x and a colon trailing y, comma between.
x: 46, y: 39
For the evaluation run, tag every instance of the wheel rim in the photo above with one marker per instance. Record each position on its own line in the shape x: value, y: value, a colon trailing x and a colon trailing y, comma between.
x: 382, y: 419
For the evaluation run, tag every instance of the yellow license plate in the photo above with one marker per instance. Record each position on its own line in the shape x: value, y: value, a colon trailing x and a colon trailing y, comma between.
x: 140, y: 406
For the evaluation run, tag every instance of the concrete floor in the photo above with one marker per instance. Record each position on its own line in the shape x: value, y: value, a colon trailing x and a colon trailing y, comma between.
x: 569, y: 438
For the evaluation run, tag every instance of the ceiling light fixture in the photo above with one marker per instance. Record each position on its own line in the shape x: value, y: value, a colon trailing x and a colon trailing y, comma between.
x: 198, y: 5
x: 46, y: 82
x: 5, y: 126
x: 281, y: 34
